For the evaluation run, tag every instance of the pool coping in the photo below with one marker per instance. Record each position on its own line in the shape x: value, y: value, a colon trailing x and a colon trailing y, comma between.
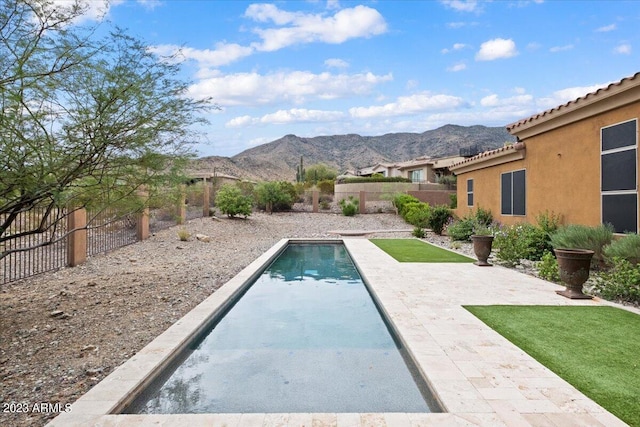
x: 99, y: 405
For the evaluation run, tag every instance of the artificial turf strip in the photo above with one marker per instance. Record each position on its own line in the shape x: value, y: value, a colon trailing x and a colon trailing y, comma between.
x: 595, y: 349
x: 413, y: 250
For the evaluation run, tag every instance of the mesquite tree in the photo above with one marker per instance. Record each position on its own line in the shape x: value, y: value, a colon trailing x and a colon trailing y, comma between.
x: 85, y: 120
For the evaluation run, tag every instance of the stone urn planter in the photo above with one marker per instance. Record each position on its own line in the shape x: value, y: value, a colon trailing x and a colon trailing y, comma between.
x: 574, y: 265
x: 482, y: 248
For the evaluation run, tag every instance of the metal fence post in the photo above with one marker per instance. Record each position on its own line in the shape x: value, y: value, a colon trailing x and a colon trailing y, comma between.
x: 77, y: 240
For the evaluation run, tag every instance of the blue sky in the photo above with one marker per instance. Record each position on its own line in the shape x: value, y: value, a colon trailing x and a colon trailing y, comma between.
x: 373, y: 67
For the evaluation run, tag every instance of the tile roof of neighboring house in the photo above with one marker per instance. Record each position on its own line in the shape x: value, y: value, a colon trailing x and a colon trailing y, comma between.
x: 611, y: 89
x: 491, y: 153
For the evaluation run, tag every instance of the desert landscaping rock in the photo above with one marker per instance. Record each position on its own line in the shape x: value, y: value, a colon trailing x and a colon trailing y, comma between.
x: 63, y: 332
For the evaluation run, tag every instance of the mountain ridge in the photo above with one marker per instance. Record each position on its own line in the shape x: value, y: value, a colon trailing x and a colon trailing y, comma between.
x: 278, y: 159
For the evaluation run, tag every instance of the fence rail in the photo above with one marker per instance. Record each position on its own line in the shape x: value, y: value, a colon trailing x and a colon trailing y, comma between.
x: 110, y: 229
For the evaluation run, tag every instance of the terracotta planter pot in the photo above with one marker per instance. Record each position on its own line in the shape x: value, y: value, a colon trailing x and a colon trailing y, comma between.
x: 574, y: 265
x: 482, y: 248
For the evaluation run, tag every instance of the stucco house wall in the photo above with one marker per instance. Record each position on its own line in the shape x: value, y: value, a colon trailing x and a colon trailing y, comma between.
x: 561, y: 150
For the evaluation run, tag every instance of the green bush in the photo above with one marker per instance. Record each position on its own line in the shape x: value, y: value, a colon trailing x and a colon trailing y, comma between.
x: 620, y: 283
x: 577, y: 236
x: 483, y: 216
x: 461, y: 229
x: 231, y: 201
x: 453, y: 200
x: 418, y: 232
x: 521, y: 241
x: 548, y: 268
x: 326, y: 186
x: 275, y: 196
x: 439, y: 218
x: 349, y: 206
x: 627, y: 247
x: 400, y: 200
x: 549, y: 222
x: 417, y: 214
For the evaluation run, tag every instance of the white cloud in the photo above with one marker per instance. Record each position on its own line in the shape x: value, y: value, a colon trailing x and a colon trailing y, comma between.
x: 462, y: 5
x: 534, y: 46
x: 496, y: 49
x: 281, y: 117
x: 456, y: 46
x: 406, y: 105
x: 623, y: 49
x: 561, y: 48
x: 606, y: 28
x: 563, y: 96
x: 94, y: 10
x: 225, y: 53
x: 457, y: 67
x: 297, y: 87
x: 336, y: 63
x: 300, y: 115
x: 296, y: 28
x: 494, y: 101
x: 150, y: 4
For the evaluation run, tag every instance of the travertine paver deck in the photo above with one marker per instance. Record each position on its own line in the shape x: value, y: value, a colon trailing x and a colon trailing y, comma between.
x: 480, y: 377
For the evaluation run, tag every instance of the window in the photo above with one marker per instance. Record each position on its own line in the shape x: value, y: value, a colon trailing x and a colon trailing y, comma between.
x: 513, y: 192
x: 416, y: 175
x: 470, y: 192
x: 619, y: 176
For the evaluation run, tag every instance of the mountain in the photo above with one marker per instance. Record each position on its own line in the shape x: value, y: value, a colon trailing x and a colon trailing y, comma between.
x: 278, y: 159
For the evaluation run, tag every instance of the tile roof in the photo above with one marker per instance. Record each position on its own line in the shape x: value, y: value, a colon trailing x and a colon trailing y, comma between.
x: 490, y: 153
x: 576, y: 103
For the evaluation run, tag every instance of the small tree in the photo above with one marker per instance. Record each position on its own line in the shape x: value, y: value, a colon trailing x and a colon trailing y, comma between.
x: 232, y: 202
x: 319, y: 172
x: 274, y: 196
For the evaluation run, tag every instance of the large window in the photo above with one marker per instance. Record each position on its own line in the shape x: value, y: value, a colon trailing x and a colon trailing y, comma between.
x: 619, y: 176
x: 469, y: 192
x: 513, y: 192
x: 416, y: 175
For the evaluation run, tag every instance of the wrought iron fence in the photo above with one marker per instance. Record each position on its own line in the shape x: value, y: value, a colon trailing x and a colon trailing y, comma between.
x: 33, y: 253
x: 109, y: 229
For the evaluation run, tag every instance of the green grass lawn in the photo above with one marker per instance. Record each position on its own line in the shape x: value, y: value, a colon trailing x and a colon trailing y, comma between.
x: 596, y: 349
x: 413, y: 250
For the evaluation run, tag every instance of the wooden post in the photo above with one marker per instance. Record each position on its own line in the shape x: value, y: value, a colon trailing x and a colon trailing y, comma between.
x: 205, y: 198
x: 363, y: 198
x: 142, y: 226
x: 77, y: 239
x: 316, y: 200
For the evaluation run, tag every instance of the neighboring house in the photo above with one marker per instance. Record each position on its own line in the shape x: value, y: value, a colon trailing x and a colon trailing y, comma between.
x: 212, y: 177
x: 578, y: 160
x: 384, y: 169
x: 427, y: 169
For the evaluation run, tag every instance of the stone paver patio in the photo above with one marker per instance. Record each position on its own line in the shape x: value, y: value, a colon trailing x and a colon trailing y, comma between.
x: 479, y: 377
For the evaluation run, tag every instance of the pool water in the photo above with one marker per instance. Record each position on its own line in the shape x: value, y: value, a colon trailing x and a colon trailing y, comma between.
x: 305, y: 337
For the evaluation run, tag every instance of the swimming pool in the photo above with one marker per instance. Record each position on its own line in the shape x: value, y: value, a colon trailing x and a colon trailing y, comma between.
x: 306, y: 336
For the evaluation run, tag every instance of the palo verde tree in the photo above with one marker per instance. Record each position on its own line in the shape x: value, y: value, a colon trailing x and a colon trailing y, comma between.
x: 85, y: 120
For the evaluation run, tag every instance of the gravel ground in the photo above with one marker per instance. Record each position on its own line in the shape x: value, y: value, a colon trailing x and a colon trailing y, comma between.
x: 63, y: 332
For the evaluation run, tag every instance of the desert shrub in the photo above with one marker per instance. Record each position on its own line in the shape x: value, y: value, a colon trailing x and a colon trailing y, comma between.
x: 326, y: 186
x: 400, y: 200
x: 627, y: 247
x: 548, y: 268
x: 438, y: 218
x: 522, y: 241
x: 417, y: 214
x: 620, y: 283
x: 349, y: 206
x: 418, y: 232
x: 232, y: 202
x: 483, y: 216
x: 461, y: 229
x: 549, y: 221
x: 453, y: 200
x: 275, y: 196
x: 183, y: 235
x: 577, y: 236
